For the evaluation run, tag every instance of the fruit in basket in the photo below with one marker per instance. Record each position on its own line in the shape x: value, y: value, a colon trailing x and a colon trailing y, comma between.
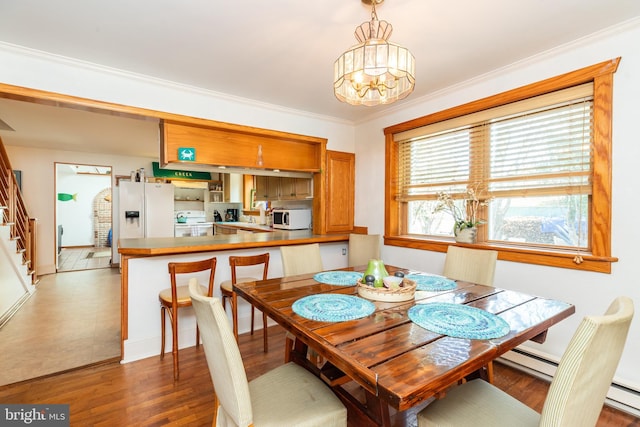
x: 398, y: 274
x: 369, y: 279
x: 392, y: 282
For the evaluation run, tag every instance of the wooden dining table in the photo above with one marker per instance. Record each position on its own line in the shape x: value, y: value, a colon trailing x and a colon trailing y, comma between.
x: 392, y: 361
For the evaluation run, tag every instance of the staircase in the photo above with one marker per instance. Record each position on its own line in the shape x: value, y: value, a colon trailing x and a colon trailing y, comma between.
x: 17, y: 243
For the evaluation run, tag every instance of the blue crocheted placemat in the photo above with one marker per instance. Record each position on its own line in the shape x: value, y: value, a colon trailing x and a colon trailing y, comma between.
x: 427, y: 282
x: 458, y: 320
x: 343, y: 278
x: 332, y: 307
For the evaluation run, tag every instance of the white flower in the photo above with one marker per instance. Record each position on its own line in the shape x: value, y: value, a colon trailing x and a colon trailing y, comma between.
x: 466, y: 216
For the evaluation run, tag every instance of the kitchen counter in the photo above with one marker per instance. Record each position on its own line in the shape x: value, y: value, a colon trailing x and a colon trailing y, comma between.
x: 144, y: 266
x: 186, y: 245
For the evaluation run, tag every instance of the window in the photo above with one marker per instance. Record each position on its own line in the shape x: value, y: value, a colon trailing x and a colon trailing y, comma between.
x: 541, y: 154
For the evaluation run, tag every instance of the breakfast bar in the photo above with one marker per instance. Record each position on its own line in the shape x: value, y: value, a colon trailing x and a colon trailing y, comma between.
x: 145, y: 273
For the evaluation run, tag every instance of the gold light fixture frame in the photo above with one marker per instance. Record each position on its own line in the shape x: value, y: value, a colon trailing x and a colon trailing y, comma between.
x: 375, y: 71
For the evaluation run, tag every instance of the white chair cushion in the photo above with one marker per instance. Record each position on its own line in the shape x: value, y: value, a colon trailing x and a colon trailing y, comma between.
x: 477, y: 404
x: 292, y: 396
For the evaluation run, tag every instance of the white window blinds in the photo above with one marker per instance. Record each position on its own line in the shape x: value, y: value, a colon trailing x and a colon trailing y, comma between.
x: 539, y: 146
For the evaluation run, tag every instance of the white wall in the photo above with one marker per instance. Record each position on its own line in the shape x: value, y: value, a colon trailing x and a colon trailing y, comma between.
x: 77, y: 215
x: 38, y: 70
x: 590, y: 292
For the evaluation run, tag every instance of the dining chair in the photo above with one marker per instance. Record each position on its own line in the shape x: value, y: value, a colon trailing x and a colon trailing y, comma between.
x: 226, y: 288
x: 475, y: 266
x: 175, y: 297
x: 299, y: 259
x: 577, y: 391
x: 362, y: 248
x: 470, y: 265
x: 288, y: 395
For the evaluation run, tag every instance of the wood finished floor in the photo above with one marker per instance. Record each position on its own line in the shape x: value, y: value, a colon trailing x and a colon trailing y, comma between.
x: 143, y: 393
x: 72, y: 320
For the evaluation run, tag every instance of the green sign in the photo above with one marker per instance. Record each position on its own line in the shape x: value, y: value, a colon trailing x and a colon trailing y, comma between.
x: 187, y: 154
x: 175, y: 174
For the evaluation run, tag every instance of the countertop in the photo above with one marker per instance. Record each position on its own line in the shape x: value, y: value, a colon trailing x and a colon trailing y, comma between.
x: 220, y: 242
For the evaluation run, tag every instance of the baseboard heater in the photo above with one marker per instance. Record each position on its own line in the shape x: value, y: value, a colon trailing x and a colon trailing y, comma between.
x: 620, y: 396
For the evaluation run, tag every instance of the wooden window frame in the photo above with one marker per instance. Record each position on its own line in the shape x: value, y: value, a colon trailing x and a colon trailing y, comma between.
x: 599, y: 259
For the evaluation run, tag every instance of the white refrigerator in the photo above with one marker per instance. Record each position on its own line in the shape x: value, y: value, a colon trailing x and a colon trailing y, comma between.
x: 145, y: 210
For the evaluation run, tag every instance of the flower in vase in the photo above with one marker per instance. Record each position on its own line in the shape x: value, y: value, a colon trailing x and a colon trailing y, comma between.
x: 465, y: 215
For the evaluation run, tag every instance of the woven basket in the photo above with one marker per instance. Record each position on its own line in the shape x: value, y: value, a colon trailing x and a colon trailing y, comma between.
x: 405, y: 293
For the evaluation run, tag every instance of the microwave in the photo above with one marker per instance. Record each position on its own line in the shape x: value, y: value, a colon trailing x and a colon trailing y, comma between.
x: 292, y: 219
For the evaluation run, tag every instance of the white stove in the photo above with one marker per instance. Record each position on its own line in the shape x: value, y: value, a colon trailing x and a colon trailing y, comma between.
x: 192, y: 223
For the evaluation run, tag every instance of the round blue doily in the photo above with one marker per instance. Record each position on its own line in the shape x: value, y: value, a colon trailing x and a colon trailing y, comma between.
x: 332, y: 307
x: 458, y: 320
x: 343, y: 278
x: 426, y: 282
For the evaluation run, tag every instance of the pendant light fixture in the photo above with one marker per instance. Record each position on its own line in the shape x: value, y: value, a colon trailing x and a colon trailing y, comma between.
x: 375, y: 71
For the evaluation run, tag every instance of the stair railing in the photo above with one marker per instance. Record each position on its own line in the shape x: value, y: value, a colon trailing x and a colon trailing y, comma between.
x: 14, y: 214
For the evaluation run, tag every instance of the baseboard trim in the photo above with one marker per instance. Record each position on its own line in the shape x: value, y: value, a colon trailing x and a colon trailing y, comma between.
x: 14, y: 309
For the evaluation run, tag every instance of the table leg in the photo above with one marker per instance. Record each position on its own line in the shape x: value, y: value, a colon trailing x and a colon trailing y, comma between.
x: 378, y: 409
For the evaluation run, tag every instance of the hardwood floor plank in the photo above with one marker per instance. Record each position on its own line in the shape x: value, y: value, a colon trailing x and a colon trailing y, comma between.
x: 143, y: 393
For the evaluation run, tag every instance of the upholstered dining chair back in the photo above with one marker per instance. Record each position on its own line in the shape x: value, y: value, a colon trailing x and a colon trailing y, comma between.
x: 301, y: 259
x: 586, y: 369
x: 223, y: 358
x: 288, y: 395
x: 577, y: 391
x: 362, y: 248
x: 470, y: 265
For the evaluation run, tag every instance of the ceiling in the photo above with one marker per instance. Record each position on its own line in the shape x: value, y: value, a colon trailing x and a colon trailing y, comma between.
x: 279, y: 52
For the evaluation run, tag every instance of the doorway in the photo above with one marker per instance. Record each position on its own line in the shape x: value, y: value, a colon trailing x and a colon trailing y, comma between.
x: 83, y: 216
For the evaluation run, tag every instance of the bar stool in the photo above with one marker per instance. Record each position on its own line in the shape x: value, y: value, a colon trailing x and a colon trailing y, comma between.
x: 226, y: 288
x: 177, y: 297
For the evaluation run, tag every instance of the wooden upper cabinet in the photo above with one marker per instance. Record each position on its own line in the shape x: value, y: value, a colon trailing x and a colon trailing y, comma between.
x: 267, y: 187
x: 283, y: 188
x: 303, y: 188
x: 340, y: 192
x: 221, y: 144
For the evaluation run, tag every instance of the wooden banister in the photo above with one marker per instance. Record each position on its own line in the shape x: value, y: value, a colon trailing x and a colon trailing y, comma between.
x: 14, y: 214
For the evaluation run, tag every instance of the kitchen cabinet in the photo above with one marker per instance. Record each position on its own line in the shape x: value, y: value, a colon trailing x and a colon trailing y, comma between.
x: 267, y: 187
x: 224, y: 230
x: 237, y: 146
x: 283, y: 188
x: 340, y: 192
x: 303, y: 188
